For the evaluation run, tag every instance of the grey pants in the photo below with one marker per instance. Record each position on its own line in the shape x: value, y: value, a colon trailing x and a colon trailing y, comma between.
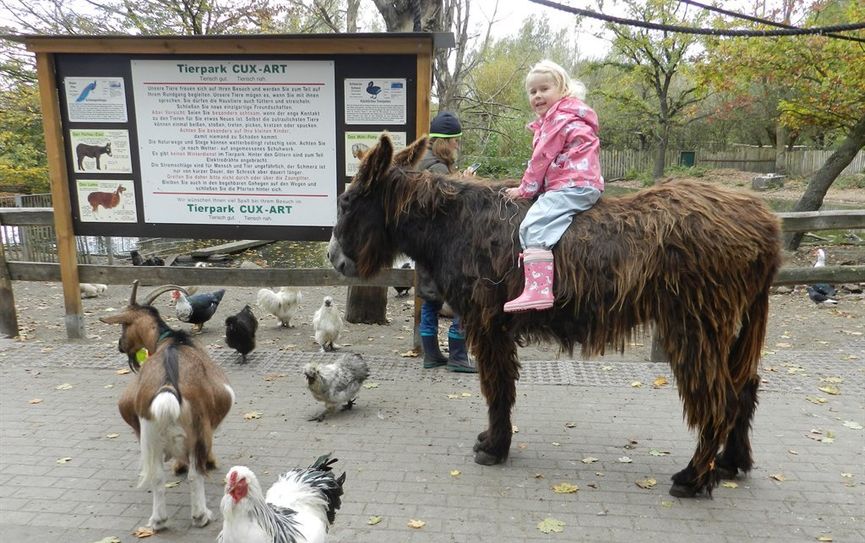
x: 552, y: 213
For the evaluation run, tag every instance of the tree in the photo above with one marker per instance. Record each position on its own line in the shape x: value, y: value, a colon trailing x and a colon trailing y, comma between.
x: 658, y: 59
x: 825, y: 78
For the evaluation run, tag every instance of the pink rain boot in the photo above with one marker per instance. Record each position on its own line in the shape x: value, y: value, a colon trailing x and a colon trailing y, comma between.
x: 538, y: 290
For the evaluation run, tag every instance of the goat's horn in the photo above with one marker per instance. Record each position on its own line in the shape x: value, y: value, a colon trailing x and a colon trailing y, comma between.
x: 161, y: 290
x: 134, y: 290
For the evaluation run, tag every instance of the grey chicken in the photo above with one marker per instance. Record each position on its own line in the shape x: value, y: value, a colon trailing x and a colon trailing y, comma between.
x: 336, y: 384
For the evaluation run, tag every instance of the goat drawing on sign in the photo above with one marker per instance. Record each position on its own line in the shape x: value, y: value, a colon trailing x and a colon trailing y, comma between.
x: 83, y: 150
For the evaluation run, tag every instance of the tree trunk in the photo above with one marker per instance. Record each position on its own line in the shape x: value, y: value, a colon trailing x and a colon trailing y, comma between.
x: 819, y: 184
x: 660, y: 156
x: 351, y: 10
x: 367, y: 305
x: 781, y: 137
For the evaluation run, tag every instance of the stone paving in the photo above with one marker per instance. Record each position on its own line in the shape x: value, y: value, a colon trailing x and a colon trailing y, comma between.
x: 66, y: 477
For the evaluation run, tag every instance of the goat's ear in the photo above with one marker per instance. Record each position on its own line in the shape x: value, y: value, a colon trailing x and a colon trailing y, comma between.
x: 412, y: 154
x: 119, y: 318
x: 375, y: 163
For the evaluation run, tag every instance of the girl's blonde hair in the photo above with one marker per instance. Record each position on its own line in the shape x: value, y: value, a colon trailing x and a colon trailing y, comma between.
x: 563, y: 82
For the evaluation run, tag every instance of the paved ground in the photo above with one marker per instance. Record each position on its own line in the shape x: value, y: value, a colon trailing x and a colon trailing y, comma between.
x: 401, y: 444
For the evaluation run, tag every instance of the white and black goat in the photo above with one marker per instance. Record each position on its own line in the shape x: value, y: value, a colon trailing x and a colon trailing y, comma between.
x: 175, y: 402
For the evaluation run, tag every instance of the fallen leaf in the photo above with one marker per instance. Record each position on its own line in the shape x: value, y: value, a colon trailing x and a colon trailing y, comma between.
x: 778, y: 477
x: 830, y: 389
x: 274, y: 376
x: 466, y: 394
x: 122, y: 371
x: 143, y: 532
x: 847, y: 475
x: 34, y: 401
x: 456, y: 473
x: 791, y: 451
x: 625, y: 460
x: 570, y: 425
x: 410, y: 354
x: 551, y: 525
x: 656, y: 452
x: 851, y: 333
x: 453, y: 396
x: 556, y: 444
x: 373, y: 520
x: 112, y: 435
x: 64, y: 386
x: 606, y: 368
x: 416, y: 524
x: 646, y: 483
x: 729, y: 484
x: 817, y: 400
x: 636, y: 384
x: 853, y: 425
x: 172, y: 484
x: 659, y: 382
x: 515, y: 429
x: 824, y: 537
x: 252, y: 415
x: 110, y: 539
x: 522, y: 446
x: 783, y: 345
x: 539, y: 475
x: 589, y: 460
x: 565, y: 488
x: 370, y: 385
x: 666, y: 503
x: 64, y: 460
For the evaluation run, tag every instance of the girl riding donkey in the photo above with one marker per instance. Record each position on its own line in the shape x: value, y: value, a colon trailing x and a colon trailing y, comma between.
x: 564, y: 170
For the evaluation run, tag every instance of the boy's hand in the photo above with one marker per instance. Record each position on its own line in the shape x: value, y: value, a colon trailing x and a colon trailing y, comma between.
x: 513, y: 193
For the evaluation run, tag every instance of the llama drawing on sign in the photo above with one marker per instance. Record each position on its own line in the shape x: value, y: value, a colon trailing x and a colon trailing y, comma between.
x: 83, y: 150
x: 107, y: 200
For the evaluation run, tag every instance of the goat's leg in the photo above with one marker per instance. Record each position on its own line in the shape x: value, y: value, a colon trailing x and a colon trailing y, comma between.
x: 153, y: 473
x: 499, y: 368
x: 201, y: 515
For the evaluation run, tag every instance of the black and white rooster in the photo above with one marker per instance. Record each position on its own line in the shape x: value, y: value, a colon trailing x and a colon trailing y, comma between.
x: 299, y: 507
x: 822, y: 294
x: 197, y: 308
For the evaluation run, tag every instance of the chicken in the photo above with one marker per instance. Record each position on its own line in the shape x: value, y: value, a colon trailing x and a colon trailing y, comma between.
x: 240, y: 332
x: 198, y: 308
x: 336, y: 384
x: 299, y: 507
x: 327, y: 324
x: 137, y: 260
x: 282, y: 304
x: 91, y: 290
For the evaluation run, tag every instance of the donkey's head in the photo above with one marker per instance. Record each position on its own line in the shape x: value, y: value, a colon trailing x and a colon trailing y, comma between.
x: 140, y: 324
x: 361, y: 243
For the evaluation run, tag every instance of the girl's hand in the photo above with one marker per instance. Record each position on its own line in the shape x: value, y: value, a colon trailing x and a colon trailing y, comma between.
x: 513, y: 193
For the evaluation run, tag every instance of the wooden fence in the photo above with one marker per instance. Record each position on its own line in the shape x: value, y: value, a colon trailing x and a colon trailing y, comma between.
x: 37, y: 271
x: 617, y: 163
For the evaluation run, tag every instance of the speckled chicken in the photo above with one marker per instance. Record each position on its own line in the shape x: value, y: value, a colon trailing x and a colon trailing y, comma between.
x: 336, y: 384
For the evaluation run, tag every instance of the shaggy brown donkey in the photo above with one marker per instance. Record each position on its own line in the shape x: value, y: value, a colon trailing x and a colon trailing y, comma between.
x: 692, y: 259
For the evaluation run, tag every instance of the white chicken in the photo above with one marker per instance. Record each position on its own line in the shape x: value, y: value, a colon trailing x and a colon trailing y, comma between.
x: 91, y: 290
x: 327, y: 323
x: 336, y: 384
x: 299, y: 507
x: 283, y: 304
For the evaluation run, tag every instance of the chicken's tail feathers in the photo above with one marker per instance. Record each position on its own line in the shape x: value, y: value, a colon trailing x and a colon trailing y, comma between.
x: 323, y: 462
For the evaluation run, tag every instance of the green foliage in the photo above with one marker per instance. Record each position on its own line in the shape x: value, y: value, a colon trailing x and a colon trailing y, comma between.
x: 22, y: 144
x: 856, y: 181
x: 686, y: 171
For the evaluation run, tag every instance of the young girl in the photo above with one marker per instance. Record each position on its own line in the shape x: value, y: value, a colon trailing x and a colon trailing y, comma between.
x: 564, y: 171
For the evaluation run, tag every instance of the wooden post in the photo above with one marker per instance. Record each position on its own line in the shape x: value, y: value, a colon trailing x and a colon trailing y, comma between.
x: 66, y: 250
x: 8, y: 317
x: 422, y: 113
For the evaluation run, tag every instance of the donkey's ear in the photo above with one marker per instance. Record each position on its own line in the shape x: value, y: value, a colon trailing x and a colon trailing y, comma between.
x: 375, y: 163
x: 412, y: 154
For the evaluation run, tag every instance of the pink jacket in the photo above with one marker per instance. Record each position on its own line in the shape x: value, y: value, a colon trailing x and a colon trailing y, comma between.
x: 565, y: 150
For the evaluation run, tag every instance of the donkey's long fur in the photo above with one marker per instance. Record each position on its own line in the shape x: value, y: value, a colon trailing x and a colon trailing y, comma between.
x: 691, y: 258
x: 174, y: 404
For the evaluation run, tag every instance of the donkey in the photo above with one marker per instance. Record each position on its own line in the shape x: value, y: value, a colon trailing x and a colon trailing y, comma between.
x: 174, y: 404
x: 83, y: 150
x: 695, y: 260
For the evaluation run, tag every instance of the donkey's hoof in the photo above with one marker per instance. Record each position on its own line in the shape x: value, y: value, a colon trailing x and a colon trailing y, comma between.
x: 481, y: 439
x: 683, y: 491
x: 725, y: 472
x: 486, y: 459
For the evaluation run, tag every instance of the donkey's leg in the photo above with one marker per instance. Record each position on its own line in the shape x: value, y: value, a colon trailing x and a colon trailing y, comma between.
x: 498, y: 367
x: 737, y: 450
